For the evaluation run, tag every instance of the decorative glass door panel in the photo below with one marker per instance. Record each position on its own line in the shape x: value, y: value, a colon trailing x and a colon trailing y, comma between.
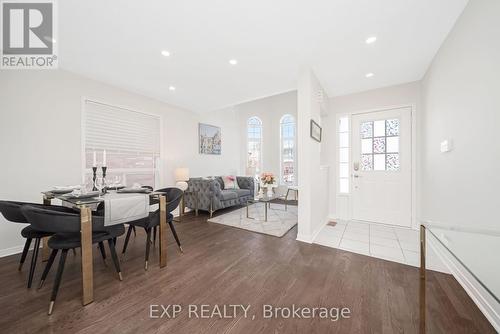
x: 380, y: 148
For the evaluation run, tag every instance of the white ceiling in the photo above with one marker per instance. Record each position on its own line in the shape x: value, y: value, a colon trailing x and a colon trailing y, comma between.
x: 119, y: 42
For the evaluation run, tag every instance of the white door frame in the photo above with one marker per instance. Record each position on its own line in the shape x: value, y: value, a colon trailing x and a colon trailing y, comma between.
x: 413, y: 190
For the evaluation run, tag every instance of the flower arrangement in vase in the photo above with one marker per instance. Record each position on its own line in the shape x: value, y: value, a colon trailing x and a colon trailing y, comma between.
x: 268, y: 180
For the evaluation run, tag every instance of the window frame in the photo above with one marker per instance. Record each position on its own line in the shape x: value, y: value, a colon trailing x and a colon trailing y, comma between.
x: 339, y: 148
x: 294, y: 122
x: 258, y: 168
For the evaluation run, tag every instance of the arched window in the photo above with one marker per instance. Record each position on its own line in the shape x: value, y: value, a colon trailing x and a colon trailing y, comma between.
x: 254, y: 143
x: 288, y: 159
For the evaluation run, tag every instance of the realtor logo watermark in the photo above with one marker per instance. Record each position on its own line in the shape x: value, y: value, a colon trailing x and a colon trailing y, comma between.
x: 29, y: 35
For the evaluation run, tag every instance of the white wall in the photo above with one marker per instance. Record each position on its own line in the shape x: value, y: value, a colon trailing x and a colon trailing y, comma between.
x: 382, y: 98
x: 461, y: 102
x: 269, y: 110
x: 408, y: 93
x: 40, y: 136
x: 313, y: 176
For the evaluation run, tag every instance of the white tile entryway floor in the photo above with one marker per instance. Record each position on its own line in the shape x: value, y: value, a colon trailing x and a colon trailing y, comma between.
x: 384, y: 242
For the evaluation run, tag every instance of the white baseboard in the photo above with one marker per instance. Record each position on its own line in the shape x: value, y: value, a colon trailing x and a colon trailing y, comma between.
x: 12, y: 250
x: 303, y: 238
x: 486, y: 304
x: 309, y: 238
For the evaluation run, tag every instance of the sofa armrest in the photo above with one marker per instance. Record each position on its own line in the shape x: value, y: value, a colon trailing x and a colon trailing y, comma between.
x: 246, y: 182
x: 208, y: 193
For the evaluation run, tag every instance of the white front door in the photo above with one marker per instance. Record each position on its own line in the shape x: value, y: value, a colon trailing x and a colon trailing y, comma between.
x: 381, y: 167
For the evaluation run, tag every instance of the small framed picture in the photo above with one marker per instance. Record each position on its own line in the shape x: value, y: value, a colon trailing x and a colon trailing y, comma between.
x: 209, y: 139
x: 315, y: 131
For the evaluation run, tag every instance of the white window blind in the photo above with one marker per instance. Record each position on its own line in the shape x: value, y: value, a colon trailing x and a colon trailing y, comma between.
x: 131, y: 140
x: 114, y: 128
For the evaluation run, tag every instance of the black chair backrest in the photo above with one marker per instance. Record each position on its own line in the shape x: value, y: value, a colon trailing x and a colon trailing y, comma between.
x: 56, y: 221
x: 11, y: 210
x: 174, y: 196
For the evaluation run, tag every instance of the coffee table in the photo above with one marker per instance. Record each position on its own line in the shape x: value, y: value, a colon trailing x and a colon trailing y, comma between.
x: 265, y: 199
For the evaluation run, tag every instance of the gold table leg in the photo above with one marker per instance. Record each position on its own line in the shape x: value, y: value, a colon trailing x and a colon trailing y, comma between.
x: 45, y: 249
x: 163, y: 231
x: 45, y: 240
x: 422, y: 279
x: 86, y: 251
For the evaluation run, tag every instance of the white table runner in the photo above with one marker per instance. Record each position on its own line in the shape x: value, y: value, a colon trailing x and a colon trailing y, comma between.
x: 123, y: 208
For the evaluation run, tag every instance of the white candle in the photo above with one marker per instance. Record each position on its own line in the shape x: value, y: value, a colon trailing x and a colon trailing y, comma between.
x: 95, y: 160
x: 104, y: 158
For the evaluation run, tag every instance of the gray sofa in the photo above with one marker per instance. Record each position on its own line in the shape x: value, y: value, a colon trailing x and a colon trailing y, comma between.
x: 210, y: 195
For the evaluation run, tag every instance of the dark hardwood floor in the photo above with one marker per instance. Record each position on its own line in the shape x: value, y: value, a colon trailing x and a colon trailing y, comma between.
x: 223, y: 265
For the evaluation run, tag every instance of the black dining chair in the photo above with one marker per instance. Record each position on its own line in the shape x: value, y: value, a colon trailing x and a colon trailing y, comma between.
x: 11, y: 210
x: 65, y: 227
x: 174, y: 196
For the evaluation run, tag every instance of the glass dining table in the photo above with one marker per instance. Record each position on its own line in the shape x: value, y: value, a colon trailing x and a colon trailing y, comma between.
x: 473, y: 250
x: 85, y: 206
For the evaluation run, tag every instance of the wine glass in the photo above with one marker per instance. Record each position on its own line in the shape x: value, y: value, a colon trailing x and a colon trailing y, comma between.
x: 99, y: 184
x: 116, y: 181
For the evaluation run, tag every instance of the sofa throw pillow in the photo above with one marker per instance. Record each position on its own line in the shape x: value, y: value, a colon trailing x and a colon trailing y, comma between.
x: 230, y: 182
x: 221, y: 182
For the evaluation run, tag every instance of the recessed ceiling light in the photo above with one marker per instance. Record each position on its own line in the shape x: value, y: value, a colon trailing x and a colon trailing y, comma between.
x: 371, y: 40
x: 233, y: 61
x: 171, y: 88
x: 165, y: 53
x: 369, y: 75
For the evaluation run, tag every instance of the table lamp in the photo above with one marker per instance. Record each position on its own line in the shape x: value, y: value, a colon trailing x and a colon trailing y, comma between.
x: 181, y: 178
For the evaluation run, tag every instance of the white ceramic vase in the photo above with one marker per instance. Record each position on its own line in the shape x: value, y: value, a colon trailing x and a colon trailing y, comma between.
x: 269, y: 190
